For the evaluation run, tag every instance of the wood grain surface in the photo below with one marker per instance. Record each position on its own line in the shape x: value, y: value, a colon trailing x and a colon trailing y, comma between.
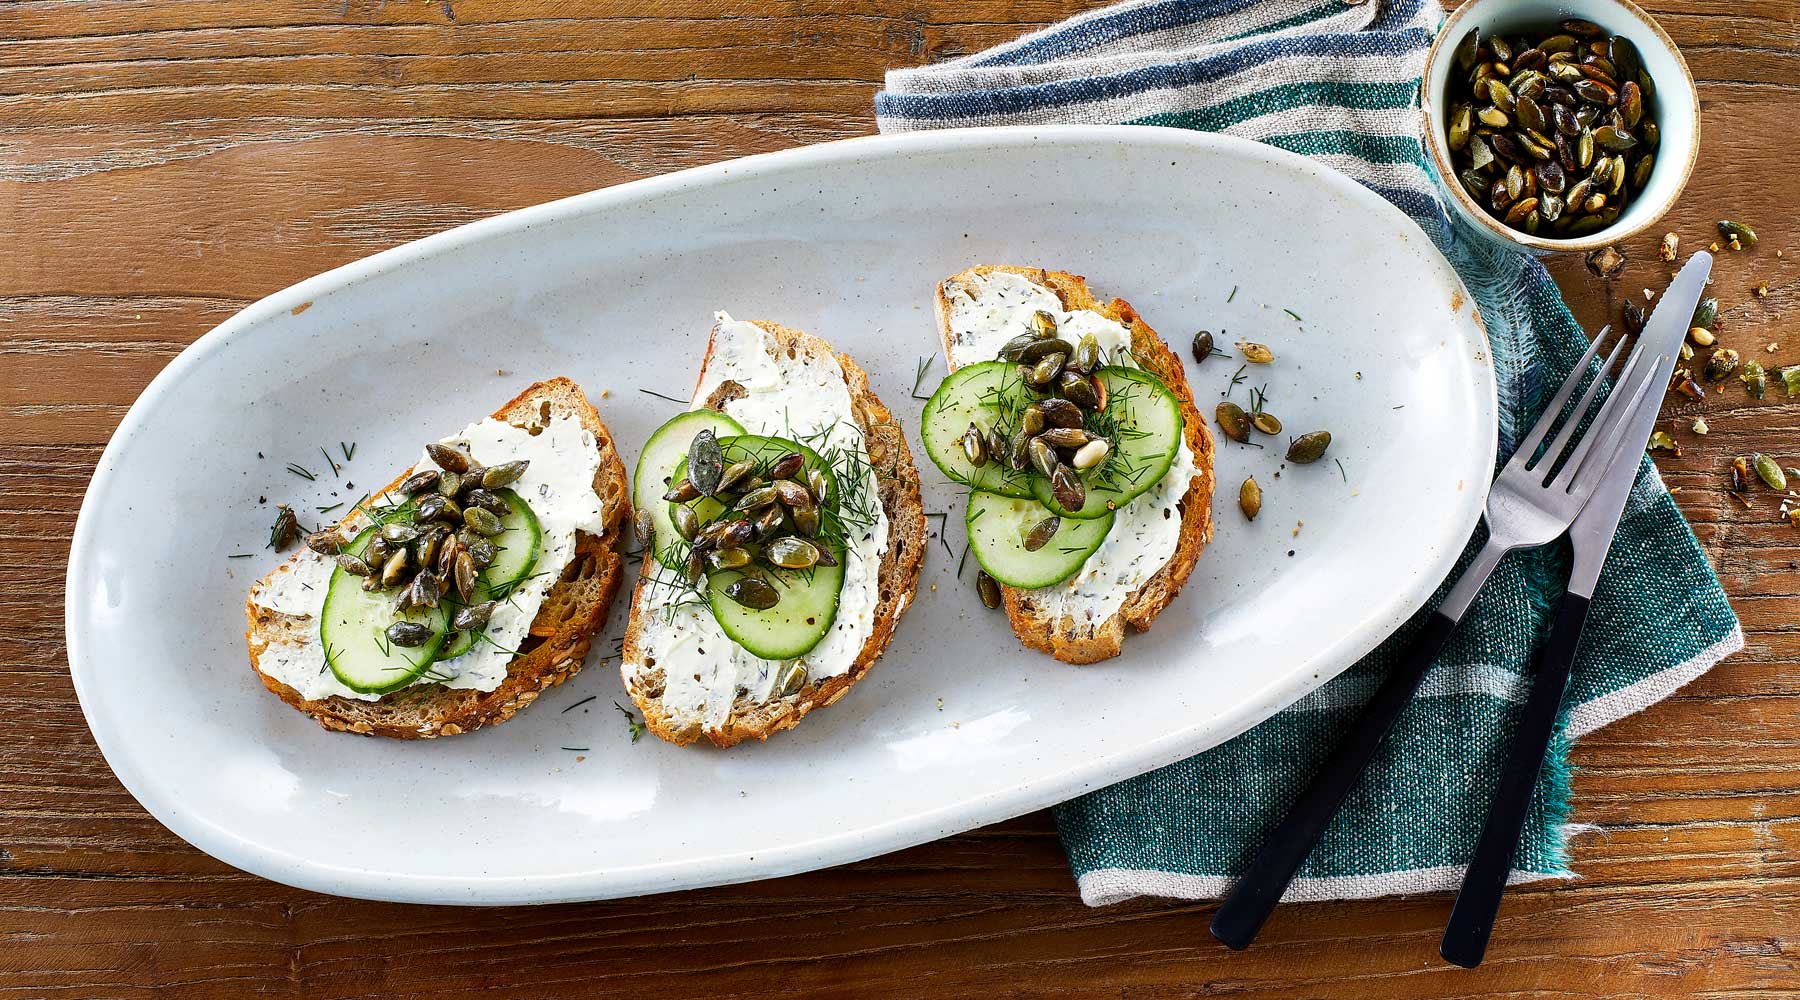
x: 165, y: 162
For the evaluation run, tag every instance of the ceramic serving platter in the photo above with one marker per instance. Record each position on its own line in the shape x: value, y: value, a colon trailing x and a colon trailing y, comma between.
x: 957, y: 726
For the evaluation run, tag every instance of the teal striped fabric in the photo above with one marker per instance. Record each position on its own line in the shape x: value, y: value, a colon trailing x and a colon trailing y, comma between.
x: 1339, y: 82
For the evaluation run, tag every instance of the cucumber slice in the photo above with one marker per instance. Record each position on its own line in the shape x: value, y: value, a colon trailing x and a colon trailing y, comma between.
x: 997, y: 527
x: 808, y: 600
x: 667, y: 448
x: 983, y: 394
x: 352, y: 628
x: 808, y: 606
x: 520, y: 540
x: 1142, y: 419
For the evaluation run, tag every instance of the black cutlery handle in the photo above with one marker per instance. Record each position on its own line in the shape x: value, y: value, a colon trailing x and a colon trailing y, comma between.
x: 1260, y: 887
x: 1472, y: 918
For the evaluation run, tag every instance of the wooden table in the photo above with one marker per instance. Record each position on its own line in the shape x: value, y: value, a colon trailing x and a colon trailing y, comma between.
x: 164, y: 163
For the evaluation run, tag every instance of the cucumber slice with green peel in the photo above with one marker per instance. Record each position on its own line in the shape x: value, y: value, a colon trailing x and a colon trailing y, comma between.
x: 800, y: 619
x: 1142, y: 421
x: 997, y: 528
x: 667, y: 448
x: 984, y: 394
x: 807, y: 600
x: 519, y: 542
x: 353, y: 630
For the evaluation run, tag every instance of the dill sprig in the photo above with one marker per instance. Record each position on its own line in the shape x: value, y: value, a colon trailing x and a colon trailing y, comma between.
x: 302, y: 471
x: 919, y: 373
x: 636, y: 724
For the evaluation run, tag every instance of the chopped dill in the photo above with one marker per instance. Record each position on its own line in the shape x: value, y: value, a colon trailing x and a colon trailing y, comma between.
x: 577, y: 749
x: 349, y: 450
x: 636, y: 724
x: 334, y: 466
x: 335, y: 506
x: 571, y: 708
x: 943, y: 517
x: 919, y: 373
x: 1341, y: 472
x: 240, y: 555
x: 658, y: 395
x: 302, y: 471
x: 1237, y: 378
x: 1294, y: 314
x: 1233, y: 294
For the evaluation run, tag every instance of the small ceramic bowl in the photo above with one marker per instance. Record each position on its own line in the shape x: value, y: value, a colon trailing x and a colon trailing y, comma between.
x: 1677, y: 109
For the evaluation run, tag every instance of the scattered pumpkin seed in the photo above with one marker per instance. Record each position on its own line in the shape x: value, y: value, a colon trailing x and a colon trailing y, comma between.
x: 447, y: 458
x: 1738, y: 234
x: 1723, y: 362
x: 504, y: 474
x: 1755, y: 378
x: 1661, y: 441
x: 1769, y: 471
x: 1307, y: 448
x: 1266, y: 422
x: 1790, y: 379
x: 1702, y: 336
x: 1256, y: 354
x: 409, y: 634
x: 988, y: 588
x: 1700, y: 426
x: 1250, y: 498
x: 1041, y: 533
x: 753, y: 593
x: 1233, y: 421
x: 1203, y: 346
x: 419, y: 482
x: 1666, y: 252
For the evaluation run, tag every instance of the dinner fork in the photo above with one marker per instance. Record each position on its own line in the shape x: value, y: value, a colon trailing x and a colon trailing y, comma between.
x: 1537, y: 495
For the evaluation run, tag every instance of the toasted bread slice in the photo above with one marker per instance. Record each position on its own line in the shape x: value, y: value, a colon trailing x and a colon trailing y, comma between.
x: 1064, y: 638
x: 898, y: 578
x: 572, y: 612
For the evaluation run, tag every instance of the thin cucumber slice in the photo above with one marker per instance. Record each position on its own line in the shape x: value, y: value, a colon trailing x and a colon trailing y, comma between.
x: 353, y: 627
x: 983, y: 394
x: 997, y: 527
x: 808, y: 606
x: 1142, y: 421
x: 520, y: 540
x: 667, y: 448
x: 808, y: 600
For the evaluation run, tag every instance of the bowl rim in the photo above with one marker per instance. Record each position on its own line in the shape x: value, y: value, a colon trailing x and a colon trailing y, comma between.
x: 1431, y: 104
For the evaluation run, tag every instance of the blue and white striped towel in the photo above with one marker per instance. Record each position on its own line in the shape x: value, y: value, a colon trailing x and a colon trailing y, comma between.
x: 1339, y: 82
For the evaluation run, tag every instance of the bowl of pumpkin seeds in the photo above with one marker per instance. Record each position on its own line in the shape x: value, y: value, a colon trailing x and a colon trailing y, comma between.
x: 1558, y: 126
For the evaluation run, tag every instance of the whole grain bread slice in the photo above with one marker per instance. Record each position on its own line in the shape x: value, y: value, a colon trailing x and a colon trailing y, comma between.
x: 1064, y: 637
x: 573, y: 610
x: 898, y: 579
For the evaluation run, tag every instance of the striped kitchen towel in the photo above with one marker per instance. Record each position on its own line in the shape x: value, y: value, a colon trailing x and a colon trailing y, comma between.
x: 1338, y: 82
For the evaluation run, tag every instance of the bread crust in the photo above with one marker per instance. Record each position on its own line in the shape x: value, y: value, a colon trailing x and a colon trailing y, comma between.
x: 898, y: 578
x: 573, y: 610
x: 1064, y: 638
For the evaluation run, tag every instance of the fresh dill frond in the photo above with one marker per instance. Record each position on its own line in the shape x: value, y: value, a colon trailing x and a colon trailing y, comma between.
x: 637, y: 726
x: 923, y: 369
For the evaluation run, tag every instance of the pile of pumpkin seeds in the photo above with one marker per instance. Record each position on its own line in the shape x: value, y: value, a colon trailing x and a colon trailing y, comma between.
x: 761, y: 514
x: 1552, y: 131
x: 434, y: 545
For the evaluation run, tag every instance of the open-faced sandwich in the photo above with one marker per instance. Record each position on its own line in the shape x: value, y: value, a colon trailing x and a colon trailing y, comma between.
x: 1090, y: 471
x: 783, y: 533
x: 448, y: 600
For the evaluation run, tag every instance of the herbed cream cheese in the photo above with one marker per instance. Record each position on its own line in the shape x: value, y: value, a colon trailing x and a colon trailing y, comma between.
x: 798, y: 396
x: 558, y: 486
x: 986, y: 311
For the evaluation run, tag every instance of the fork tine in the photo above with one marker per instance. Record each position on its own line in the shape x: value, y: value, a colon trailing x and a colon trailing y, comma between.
x: 1578, y: 415
x: 1593, y: 455
x: 1528, y: 447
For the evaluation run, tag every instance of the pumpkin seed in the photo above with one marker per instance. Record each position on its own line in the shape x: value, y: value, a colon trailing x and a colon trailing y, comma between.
x: 419, y: 482
x: 1040, y: 533
x: 1086, y: 357
x: 769, y: 522
x: 683, y: 491
x: 1755, y: 378
x: 988, y: 588
x: 1041, y: 349
x: 1203, y: 346
x: 504, y: 474
x: 394, y: 570
x: 352, y: 565
x: 754, y: 593
x: 1633, y: 316
x: 1066, y: 437
x: 785, y: 466
x: 792, y: 494
x: 1493, y: 118
x: 1706, y: 312
x: 325, y: 543
x: 474, y: 617
x: 1233, y: 421
x: 1457, y: 129
x: 1467, y: 48
x: 806, y: 520
x: 1014, y: 349
x: 447, y: 458
x: 1744, y: 235
x: 1307, y: 448
x: 818, y: 486
x: 1043, y: 325
x: 1250, y: 498
x: 1018, y: 452
x: 793, y: 680
x: 1769, y: 472
x: 763, y: 496
x: 1067, y: 488
x: 483, y: 521
x: 438, y: 507
x: 1701, y: 335
x: 1256, y: 354
x: 1059, y: 413
x: 706, y: 463
x: 399, y: 533
x: 736, y: 532
x: 487, y: 500
x: 1266, y: 422
x: 730, y: 557
x: 1047, y: 369
x: 687, y: 523
x: 974, y: 446
x: 1043, y: 457
x: 792, y: 552
x: 285, y: 529
x: 409, y: 634
x: 451, y: 483
x: 1083, y: 391
x: 463, y: 575
x: 1723, y: 362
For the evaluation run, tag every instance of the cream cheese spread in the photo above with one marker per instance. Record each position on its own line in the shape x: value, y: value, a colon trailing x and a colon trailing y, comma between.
x: 558, y: 486
x: 795, y: 396
x: 986, y: 311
